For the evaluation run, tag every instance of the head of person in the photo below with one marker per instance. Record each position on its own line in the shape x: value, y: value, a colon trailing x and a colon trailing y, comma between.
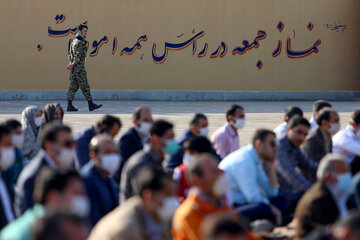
x: 109, y: 124
x: 204, y: 174
x: 83, y: 30
x: 7, y: 150
x: 194, y: 146
x: 355, y: 122
x: 318, y: 105
x: 348, y: 229
x: 104, y: 154
x: 264, y: 142
x: 334, y: 171
x: 59, y: 225
x: 157, y: 191
x: 61, y: 190
x: 297, y: 130
x: 223, y: 228
x: 17, y: 135
x: 32, y: 117
x: 58, y: 143
x: 199, y: 125
x: 142, y: 120
x: 53, y: 113
x: 329, y: 121
x: 162, y: 138
x: 235, y: 115
x: 292, y: 111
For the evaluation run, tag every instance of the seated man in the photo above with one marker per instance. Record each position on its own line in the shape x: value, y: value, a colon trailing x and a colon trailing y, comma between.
x: 205, y: 199
x: 226, y: 139
x: 252, y: 188
x: 325, y: 202
x: 280, y: 131
x: 146, y: 215
x: 97, y: 174
x: 296, y: 172
x: 318, y: 105
x: 347, y: 142
x: 318, y: 143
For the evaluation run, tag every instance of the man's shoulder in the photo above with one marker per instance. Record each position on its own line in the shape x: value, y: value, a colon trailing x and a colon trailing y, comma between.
x: 130, y: 135
x: 31, y: 170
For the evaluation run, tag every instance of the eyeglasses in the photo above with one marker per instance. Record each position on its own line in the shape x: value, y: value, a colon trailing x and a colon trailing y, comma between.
x: 272, y: 144
x: 69, y: 143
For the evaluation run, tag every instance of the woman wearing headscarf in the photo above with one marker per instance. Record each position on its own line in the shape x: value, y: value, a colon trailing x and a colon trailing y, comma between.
x: 31, y: 122
x: 53, y: 113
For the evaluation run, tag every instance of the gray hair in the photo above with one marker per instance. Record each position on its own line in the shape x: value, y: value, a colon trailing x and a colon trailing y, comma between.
x: 326, y: 164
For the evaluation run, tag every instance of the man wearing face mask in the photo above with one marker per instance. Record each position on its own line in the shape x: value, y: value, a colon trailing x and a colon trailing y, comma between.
x: 97, y: 174
x: 58, y: 152
x: 135, y: 138
x: 54, y: 191
x: 205, y: 199
x: 325, y: 202
x: 226, y: 139
x: 318, y: 143
x: 253, y: 181
x: 162, y: 142
x: 146, y: 215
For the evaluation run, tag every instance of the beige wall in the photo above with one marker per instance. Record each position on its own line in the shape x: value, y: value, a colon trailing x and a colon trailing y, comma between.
x: 24, y: 24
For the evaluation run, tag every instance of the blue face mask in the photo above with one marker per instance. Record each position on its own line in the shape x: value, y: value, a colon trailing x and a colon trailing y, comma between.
x: 172, y: 147
x: 345, y: 182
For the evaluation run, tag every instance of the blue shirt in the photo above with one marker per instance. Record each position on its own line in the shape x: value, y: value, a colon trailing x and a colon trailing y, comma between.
x: 247, y: 178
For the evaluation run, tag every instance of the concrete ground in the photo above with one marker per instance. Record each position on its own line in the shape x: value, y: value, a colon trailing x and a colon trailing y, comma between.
x: 259, y: 114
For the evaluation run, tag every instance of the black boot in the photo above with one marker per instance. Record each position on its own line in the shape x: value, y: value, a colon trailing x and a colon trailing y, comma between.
x: 93, y: 106
x: 71, y: 108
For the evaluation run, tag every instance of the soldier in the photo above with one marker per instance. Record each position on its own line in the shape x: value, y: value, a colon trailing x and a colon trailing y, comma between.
x: 78, y: 77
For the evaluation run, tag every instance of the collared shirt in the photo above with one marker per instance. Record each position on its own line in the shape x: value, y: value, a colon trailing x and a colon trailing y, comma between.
x: 346, y: 143
x: 154, y: 230
x: 248, y: 180
x: 50, y: 161
x: 340, y: 200
x: 5, y: 201
x: 225, y: 140
x: 294, y: 169
x: 313, y: 124
x: 280, y: 130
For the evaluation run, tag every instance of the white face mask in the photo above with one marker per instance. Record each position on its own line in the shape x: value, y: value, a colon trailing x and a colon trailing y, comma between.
x: 80, y: 205
x: 170, y: 204
x: 221, y: 186
x: 144, y: 128
x: 18, y: 140
x: 8, y: 157
x: 110, y: 163
x: 239, y: 123
x: 204, y: 131
x: 188, y: 158
x: 334, y: 128
x: 38, y: 121
x: 66, y: 158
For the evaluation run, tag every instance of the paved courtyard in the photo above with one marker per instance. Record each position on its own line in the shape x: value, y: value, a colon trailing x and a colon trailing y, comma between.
x: 258, y: 114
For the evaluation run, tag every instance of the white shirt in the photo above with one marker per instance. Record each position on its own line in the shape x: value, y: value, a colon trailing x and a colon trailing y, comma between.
x: 5, y: 200
x: 280, y: 131
x: 313, y: 124
x: 346, y: 143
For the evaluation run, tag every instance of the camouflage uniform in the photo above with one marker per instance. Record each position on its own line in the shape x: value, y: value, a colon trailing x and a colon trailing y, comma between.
x: 78, y: 76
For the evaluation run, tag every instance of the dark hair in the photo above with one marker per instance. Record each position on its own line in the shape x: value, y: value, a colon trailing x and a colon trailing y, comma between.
x: 196, y: 119
x: 195, y: 166
x: 149, y: 178
x: 320, y: 104
x: 51, y: 180
x: 54, y: 225
x: 295, y: 121
x: 324, y: 114
x: 261, y: 135
x: 137, y: 112
x: 230, y: 111
x: 199, y: 144
x: 82, y: 26
x: 49, y: 111
x: 214, y: 227
x: 356, y: 116
x: 109, y: 121
x: 292, y: 111
x: 50, y: 133
x: 159, y: 127
x: 352, y: 222
x: 4, y: 131
x: 12, y: 124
